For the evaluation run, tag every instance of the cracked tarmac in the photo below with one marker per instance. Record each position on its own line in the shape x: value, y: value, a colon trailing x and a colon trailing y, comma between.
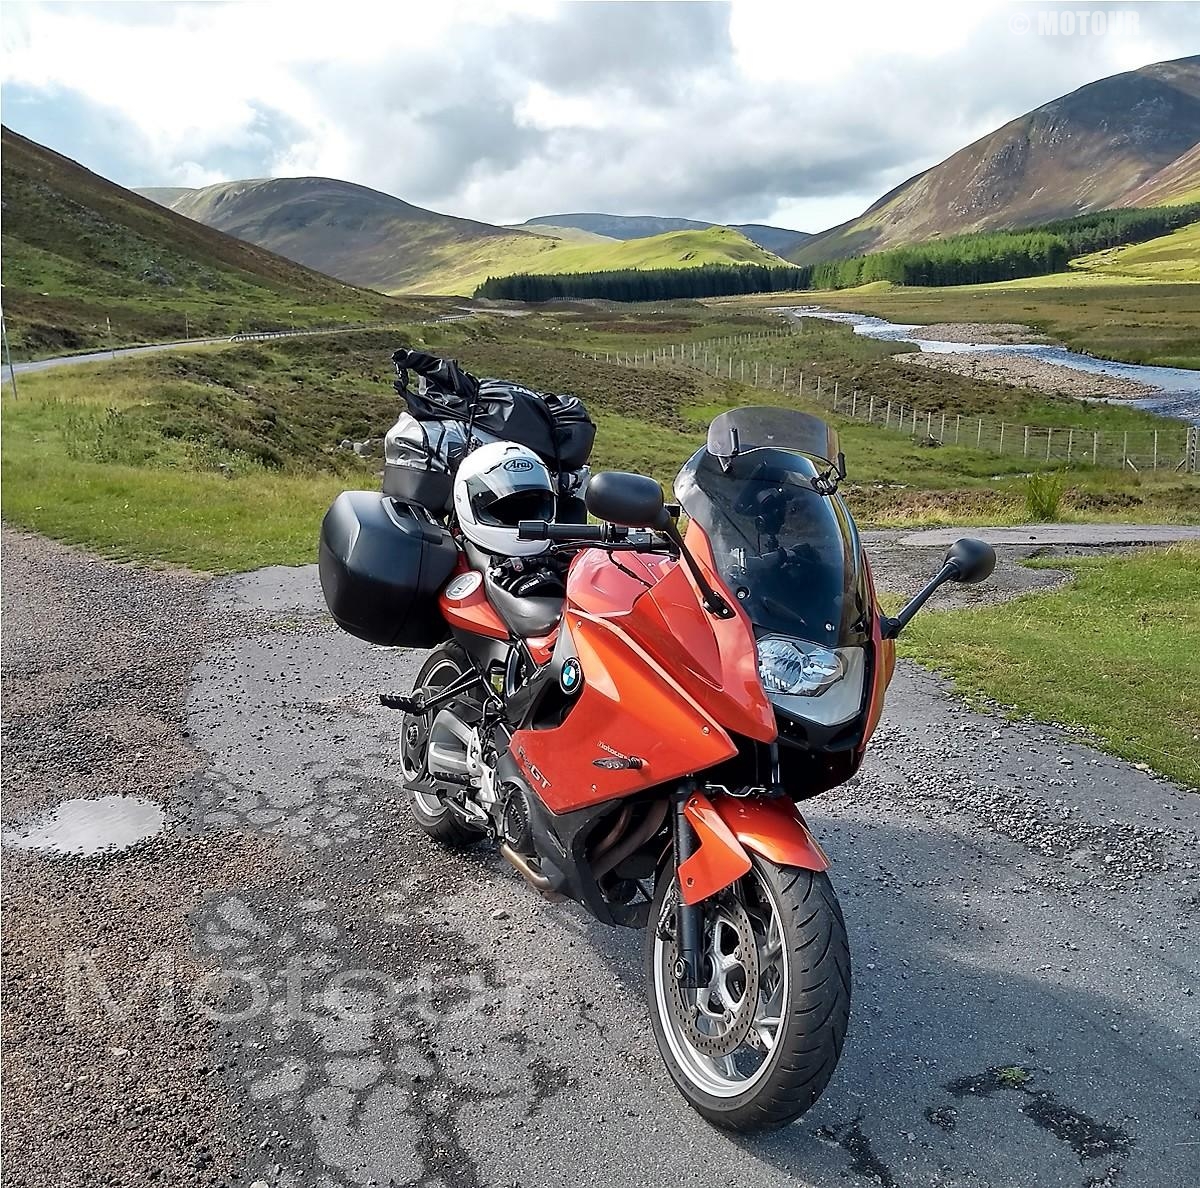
x: 1021, y: 910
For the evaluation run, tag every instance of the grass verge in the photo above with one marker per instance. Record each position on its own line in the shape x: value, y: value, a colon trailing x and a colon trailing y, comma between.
x: 1113, y: 653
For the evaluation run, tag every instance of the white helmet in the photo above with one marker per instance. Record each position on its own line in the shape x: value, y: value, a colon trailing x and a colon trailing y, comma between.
x: 496, y: 487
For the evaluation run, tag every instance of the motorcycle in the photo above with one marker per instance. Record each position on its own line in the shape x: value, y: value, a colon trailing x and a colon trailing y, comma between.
x: 641, y: 743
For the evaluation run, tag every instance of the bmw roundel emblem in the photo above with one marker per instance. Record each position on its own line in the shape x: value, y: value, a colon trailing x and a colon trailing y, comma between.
x: 570, y: 680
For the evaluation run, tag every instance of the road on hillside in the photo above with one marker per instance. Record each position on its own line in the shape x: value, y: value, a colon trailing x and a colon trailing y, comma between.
x: 33, y: 365
x: 1021, y: 909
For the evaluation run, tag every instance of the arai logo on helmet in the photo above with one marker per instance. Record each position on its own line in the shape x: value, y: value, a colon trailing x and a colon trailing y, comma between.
x: 518, y: 464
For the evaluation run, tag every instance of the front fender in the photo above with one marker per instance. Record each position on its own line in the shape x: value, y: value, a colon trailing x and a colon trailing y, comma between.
x: 729, y: 829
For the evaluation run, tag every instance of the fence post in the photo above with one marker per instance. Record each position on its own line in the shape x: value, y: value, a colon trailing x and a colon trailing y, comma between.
x: 835, y: 393
x: 887, y: 420
x: 1155, y: 449
x: 818, y: 387
x: 957, y: 427
x: 1025, y: 453
x: 756, y: 373
x: 800, y: 390
x: 914, y: 428
x: 854, y: 403
x: 979, y: 435
x: 1095, y: 445
x: 1048, y: 434
x: 1001, y: 446
x: 783, y: 380
x: 1070, y: 443
x: 871, y: 410
x: 1125, y: 449
x: 929, y: 425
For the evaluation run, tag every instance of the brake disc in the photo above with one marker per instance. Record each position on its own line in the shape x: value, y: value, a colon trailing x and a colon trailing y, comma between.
x: 712, y: 1023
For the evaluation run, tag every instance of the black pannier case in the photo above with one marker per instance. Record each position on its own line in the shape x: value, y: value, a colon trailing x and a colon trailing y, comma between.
x: 383, y: 564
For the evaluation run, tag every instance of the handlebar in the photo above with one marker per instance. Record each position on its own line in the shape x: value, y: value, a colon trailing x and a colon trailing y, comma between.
x: 544, y: 530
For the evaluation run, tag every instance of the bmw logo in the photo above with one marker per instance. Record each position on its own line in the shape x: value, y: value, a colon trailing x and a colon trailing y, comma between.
x: 570, y: 680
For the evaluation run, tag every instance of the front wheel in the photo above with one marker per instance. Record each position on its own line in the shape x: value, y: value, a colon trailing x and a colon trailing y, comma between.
x: 756, y: 1044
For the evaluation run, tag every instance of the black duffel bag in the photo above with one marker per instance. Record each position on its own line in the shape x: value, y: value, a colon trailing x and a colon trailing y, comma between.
x: 555, y: 426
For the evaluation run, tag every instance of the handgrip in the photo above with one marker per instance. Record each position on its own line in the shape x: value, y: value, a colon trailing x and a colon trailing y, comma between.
x: 543, y: 530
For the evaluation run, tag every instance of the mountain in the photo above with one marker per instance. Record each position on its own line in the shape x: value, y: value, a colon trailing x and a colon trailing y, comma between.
x: 370, y: 238
x: 87, y: 263
x: 349, y: 231
x: 1176, y: 183
x: 1098, y: 147
x: 779, y: 240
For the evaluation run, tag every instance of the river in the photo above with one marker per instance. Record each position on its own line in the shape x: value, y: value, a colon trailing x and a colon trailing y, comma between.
x: 1178, y: 394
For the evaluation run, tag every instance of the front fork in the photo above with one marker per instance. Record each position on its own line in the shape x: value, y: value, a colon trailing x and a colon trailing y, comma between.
x: 689, y: 919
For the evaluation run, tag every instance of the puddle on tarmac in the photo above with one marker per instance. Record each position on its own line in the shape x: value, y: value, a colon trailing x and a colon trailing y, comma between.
x: 89, y: 827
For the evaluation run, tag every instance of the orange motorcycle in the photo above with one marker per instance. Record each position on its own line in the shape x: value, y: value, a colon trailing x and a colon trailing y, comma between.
x: 634, y: 714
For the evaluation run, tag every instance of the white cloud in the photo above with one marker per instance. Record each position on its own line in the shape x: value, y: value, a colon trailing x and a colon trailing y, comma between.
x: 801, y: 113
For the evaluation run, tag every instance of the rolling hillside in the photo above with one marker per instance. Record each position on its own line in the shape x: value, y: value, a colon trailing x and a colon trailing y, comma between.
x: 81, y: 254
x: 1174, y: 257
x: 372, y: 239
x: 1126, y: 140
x: 357, y: 234
x: 779, y: 240
x: 675, y: 249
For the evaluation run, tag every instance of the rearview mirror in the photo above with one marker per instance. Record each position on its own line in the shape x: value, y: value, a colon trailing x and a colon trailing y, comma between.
x: 973, y: 560
x: 631, y: 500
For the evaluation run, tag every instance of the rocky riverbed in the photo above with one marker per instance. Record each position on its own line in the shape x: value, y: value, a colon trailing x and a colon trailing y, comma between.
x: 1022, y: 371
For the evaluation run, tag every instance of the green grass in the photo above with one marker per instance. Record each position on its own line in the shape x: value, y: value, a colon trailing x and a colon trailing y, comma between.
x: 225, y: 457
x: 1114, y: 653
x: 89, y: 264
x: 460, y: 269
x: 1174, y: 257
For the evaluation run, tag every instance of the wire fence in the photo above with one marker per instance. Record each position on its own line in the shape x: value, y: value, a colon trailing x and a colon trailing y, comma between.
x: 1172, y: 447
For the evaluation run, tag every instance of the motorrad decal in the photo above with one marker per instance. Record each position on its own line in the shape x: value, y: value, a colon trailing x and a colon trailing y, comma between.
x: 570, y: 680
x: 464, y: 584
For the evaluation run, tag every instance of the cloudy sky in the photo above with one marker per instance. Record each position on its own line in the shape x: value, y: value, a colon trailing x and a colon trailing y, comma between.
x: 794, y: 113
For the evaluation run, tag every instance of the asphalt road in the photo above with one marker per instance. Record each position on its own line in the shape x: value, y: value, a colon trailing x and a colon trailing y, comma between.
x: 1021, y: 909
x: 351, y: 1006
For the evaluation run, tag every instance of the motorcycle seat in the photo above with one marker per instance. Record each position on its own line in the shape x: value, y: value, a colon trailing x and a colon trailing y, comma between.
x: 527, y: 617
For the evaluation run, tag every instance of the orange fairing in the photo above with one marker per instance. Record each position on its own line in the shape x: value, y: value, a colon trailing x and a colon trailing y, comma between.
x: 472, y: 612
x: 632, y: 726
x: 726, y: 828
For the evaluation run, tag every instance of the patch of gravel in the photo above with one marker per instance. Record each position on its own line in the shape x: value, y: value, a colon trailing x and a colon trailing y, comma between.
x: 982, y: 333
x: 96, y: 665
x: 1021, y: 371
x: 904, y: 569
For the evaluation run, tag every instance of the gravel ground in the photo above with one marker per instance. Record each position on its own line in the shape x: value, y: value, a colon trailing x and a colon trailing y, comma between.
x: 1020, y: 371
x: 983, y: 333
x: 97, y: 660
x: 1020, y: 908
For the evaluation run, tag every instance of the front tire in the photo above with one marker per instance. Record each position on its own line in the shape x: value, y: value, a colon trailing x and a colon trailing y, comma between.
x: 755, y: 1047
x: 445, y: 664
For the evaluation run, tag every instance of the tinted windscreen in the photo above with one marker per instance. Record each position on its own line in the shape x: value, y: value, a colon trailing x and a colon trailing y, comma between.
x: 788, y: 554
x: 758, y: 427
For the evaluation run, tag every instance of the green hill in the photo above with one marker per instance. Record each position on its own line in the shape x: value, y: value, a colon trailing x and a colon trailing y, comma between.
x: 369, y: 238
x: 82, y: 255
x: 1174, y: 257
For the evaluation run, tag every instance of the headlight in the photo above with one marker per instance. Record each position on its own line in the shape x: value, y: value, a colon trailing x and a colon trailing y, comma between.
x: 811, y: 682
x: 797, y: 667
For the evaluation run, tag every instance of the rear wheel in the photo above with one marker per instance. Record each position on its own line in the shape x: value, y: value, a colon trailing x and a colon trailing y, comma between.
x: 445, y: 664
x: 756, y: 1044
